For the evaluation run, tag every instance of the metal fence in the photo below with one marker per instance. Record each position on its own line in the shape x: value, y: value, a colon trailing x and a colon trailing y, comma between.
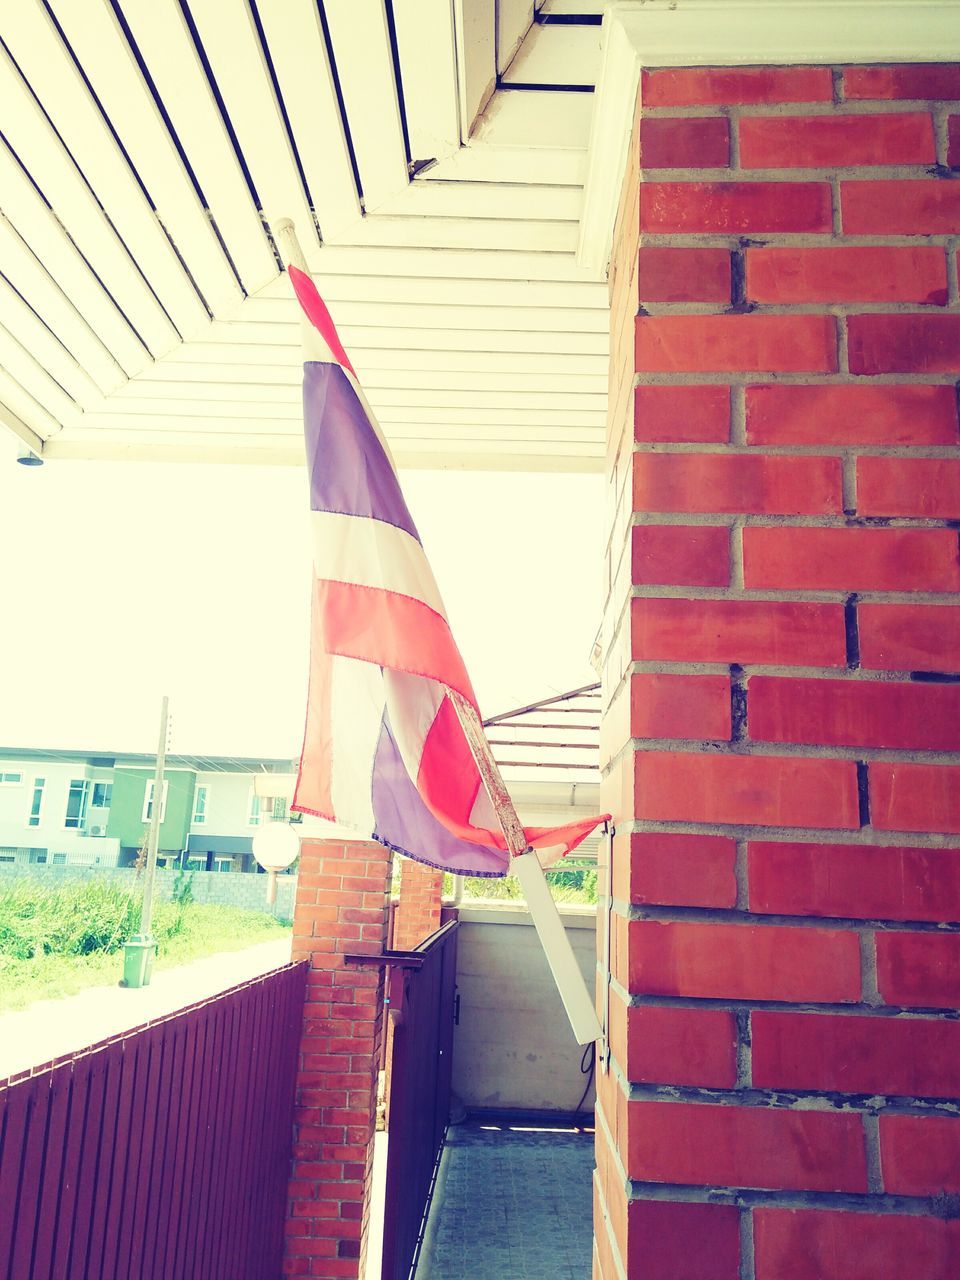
x: 419, y: 1093
x: 161, y: 1155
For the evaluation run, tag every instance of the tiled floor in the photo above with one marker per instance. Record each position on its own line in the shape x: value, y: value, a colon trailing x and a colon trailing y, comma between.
x: 512, y: 1203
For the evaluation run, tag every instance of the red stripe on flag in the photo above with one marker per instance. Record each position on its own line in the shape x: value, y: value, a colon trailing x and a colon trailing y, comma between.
x: 316, y: 312
x: 390, y: 630
x: 448, y: 779
x: 314, y: 789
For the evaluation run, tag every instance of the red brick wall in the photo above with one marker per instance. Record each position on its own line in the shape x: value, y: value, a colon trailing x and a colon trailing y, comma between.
x: 418, y: 910
x: 782, y: 737
x: 341, y: 907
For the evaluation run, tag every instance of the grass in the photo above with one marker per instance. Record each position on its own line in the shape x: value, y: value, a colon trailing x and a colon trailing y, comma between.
x: 569, y: 885
x: 55, y: 942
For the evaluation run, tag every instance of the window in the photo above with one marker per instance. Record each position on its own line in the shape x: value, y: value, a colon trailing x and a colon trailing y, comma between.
x: 253, y: 811
x: 59, y: 860
x: 102, y: 795
x: 36, y: 803
x: 8, y: 857
x: 200, y: 805
x: 196, y: 862
x: 10, y: 779
x: 77, y: 802
x: 147, y: 814
x: 279, y: 809
x: 223, y: 864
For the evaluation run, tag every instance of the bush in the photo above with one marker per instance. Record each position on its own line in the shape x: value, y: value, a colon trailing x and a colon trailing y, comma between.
x: 78, y: 919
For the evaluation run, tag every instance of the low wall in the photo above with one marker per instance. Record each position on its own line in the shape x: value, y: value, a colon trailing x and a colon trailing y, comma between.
x: 229, y: 889
x: 513, y: 1047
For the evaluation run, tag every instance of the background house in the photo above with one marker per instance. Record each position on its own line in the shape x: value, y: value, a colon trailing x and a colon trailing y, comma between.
x: 92, y: 809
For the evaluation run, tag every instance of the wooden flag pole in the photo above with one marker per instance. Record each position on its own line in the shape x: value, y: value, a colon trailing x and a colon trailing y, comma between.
x: 546, y: 918
x: 573, y: 991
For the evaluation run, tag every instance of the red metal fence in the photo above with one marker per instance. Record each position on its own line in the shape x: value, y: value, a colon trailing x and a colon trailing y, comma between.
x: 161, y: 1155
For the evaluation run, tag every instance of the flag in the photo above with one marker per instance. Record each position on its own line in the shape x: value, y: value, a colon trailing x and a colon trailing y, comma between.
x: 383, y: 748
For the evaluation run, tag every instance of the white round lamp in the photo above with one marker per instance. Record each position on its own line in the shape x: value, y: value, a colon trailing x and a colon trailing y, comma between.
x: 275, y: 846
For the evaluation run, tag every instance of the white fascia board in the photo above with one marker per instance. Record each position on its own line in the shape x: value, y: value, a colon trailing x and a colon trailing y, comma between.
x: 718, y: 33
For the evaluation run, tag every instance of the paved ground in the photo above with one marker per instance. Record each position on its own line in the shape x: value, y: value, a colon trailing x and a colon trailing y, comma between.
x: 511, y: 1204
x: 51, y: 1028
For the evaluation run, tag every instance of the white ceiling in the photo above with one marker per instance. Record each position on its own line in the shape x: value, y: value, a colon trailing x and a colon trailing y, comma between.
x: 147, y: 146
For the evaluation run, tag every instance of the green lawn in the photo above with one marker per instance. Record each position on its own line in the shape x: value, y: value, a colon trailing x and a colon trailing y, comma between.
x: 55, y: 942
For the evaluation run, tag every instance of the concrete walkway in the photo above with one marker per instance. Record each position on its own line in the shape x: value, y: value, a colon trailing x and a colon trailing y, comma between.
x: 511, y: 1201
x: 51, y: 1029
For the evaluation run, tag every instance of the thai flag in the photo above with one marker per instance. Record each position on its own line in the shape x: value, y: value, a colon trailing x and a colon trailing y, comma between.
x: 383, y: 749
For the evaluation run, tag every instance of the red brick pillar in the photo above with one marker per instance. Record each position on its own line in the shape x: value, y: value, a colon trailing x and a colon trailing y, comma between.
x: 342, y: 899
x: 782, y: 643
x: 418, y: 910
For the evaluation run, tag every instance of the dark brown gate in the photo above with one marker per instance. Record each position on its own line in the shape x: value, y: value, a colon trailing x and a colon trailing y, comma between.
x: 161, y: 1155
x: 419, y: 1093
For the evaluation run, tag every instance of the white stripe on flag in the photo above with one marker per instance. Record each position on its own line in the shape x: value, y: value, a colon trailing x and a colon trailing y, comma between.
x: 483, y: 813
x: 372, y: 553
x: 413, y: 702
x: 356, y: 715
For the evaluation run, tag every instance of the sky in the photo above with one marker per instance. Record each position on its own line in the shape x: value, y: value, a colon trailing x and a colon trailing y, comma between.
x: 121, y: 582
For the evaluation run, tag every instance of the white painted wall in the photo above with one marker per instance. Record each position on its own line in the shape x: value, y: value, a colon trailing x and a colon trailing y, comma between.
x: 514, y: 1049
x: 15, y: 802
x: 227, y: 804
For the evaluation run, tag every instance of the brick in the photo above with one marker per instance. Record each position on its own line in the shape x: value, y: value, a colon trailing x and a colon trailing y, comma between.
x: 854, y: 713
x: 675, y: 1241
x: 717, y: 482
x: 953, y: 142
x: 920, y: 1155
x: 812, y: 1244
x: 680, y: 706
x: 724, y: 1146
x: 909, y: 637
x: 763, y: 790
x: 735, y: 86
x: 924, y: 81
x: 893, y: 1056
x: 680, y: 555
x: 914, y: 797
x: 740, y: 962
x: 657, y: 1045
x: 848, y: 273
x: 914, y: 414
x: 731, y: 208
x: 851, y: 559
x: 741, y: 343
x: 677, y: 870
x: 687, y: 142
x: 904, y: 343
x: 919, y: 969
x: 776, y: 142
x: 868, y: 882
x: 682, y: 414
x: 683, y: 275
x: 904, y: 207
x: 922, y: 487
x: 742, y: 631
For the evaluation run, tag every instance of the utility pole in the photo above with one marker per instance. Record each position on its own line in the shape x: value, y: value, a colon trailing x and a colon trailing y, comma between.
x: 141, y: 948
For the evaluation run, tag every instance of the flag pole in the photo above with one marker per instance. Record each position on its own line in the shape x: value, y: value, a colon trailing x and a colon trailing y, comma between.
x: 563, y: 964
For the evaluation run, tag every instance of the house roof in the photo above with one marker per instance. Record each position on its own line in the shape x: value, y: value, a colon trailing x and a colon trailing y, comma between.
x: 433, y: 158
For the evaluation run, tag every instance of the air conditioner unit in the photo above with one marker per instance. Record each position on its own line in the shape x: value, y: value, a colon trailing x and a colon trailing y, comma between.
x: 97, y: 831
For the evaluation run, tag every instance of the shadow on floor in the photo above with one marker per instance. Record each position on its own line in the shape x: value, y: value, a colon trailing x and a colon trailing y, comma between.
x: 513, y: 1201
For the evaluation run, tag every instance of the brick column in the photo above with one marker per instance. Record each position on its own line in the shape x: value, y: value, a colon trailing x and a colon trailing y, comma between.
x: 418, y: 910
x: 781, y: 740
x: 342, y: 900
